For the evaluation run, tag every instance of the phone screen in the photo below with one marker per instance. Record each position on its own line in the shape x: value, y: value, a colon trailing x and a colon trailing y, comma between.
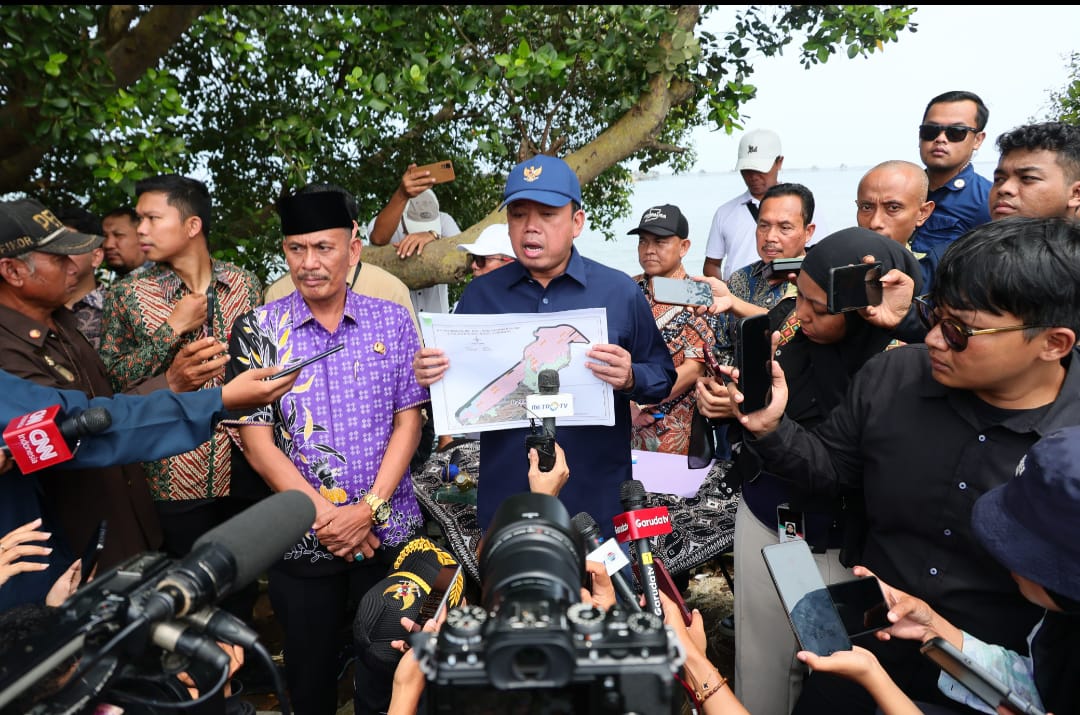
x: 861, y: 605
x: 681, y: 292
x: 988, y: 688
x: 303, y: 363
x: 853, y: 287
x: 753, y: 355
x: 811, y: 613
x: 667, y: 585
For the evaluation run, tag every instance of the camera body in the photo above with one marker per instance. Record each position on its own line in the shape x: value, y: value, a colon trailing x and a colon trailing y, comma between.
x: 531, y: 637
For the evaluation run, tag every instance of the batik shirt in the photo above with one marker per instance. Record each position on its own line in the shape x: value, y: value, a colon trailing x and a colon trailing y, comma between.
x: 137, y: 343
x: 88, y: 314
x: 688, y: 337
x: 336, y: 422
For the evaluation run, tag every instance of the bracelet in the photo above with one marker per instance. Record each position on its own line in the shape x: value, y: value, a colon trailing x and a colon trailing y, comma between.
x: 707, y: 690
x: 434, y: 234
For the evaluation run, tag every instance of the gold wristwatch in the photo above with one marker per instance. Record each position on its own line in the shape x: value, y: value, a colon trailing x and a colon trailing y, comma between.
x: 380, y: 509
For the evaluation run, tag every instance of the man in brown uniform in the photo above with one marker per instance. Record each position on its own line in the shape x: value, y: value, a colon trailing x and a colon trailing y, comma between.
x: 40, y: 341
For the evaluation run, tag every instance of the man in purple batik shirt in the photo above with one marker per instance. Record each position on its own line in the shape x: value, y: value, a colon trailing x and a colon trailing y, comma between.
x: 344, y: 435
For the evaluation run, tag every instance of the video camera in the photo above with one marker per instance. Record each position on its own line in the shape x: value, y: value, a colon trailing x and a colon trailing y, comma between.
x: 531, y: 637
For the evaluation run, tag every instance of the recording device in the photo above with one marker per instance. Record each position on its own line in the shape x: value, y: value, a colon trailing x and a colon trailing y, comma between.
x: 861, y: 605
x: 675, y: 291
x: 435, y: 602
x: 150, y: 601
x: 304, y: 363
x: 93, y: 552
x: 975, y: 678
x: 781, y: 268
x: 753, y: 358
x: 441, y: 171
x: 637, y: 525
x: 854, y: 286
x: 43, y: 438
x: 531, y: 639
x: 590, y: 532
x: 547, y: 384
x: 810, y: 610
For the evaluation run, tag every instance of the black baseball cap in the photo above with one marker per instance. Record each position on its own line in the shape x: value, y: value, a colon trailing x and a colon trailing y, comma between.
x: 666, y: 220
x: 26, y: 225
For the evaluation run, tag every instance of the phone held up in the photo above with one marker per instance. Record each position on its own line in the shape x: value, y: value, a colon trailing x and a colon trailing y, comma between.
x: 853, y: 287
x: 441, y: 171
x: 753, y: 358
x: 975, y: 678
x: 675, y: 291
x: 810, y: 609
x: 781, y: 268
x: 92, y: 554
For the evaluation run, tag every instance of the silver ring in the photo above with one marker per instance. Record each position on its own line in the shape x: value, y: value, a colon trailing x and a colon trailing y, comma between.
x: 358, y: 556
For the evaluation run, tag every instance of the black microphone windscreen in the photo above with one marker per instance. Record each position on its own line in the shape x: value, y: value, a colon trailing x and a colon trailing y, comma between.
x: 547, y: 382
x: 585, y: 525
x: 259, y: 535
x: 632, y: 494
x: 87, y: 422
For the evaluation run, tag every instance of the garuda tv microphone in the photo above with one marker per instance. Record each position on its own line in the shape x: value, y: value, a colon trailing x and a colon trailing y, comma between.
x: 590, y: 532
x: 638, y: 524
x: 547, y: 387
x: 44, y: 438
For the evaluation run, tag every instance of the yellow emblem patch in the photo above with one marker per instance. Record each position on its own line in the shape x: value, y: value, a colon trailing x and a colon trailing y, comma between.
x: 532, y: 173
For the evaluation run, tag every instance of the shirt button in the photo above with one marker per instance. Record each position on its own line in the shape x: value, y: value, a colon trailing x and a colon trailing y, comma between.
x: 933, y: 571
x: 545, y: 301
x: 982, y: 438
x: 962, y: 485
x: 948, y: 532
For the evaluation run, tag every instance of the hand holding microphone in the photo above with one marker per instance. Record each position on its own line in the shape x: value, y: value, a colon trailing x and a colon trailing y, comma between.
x: 43, y: 438
x: 638, y: 524
x: 590, y: 532
x: 547, y: 386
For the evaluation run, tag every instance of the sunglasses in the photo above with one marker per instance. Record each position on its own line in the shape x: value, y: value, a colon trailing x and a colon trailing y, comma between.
x: 481, y: 261
x: 953, y: 332
x: 953, y: 132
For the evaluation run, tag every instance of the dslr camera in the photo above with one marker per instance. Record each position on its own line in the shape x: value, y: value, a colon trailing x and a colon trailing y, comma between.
x: 532, y: 640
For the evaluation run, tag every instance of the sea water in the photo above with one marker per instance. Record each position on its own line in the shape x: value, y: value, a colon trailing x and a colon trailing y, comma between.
x: 699, y: 194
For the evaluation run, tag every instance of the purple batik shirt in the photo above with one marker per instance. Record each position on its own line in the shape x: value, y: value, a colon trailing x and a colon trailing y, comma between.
x: 336, y: 421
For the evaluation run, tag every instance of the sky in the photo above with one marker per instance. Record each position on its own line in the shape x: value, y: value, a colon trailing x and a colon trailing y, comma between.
x: 860, y: 111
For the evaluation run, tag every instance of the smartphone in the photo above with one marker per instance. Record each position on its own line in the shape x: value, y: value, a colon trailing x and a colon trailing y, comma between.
x: 441, y: 171
x: 975, y: 678
x: 667, y: 585
x: 855, y: 286
x: 93, y: 550
x: 438, y: 598
x: 861, y: 605
x: 810, y: 610
x: 675, y: 291
x: 303, y: 363
x: 753, y: 358
x: 781, y: 267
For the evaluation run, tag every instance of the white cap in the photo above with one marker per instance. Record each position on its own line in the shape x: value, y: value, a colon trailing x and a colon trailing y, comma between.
x: 758, y: 150
x: 495, y: 239
x: 422, y: 214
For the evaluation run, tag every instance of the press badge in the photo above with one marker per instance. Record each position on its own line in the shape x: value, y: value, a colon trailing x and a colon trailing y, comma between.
x: 790, y: 524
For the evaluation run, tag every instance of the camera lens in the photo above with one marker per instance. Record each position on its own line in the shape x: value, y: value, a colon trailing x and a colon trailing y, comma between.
x: 531, y: 552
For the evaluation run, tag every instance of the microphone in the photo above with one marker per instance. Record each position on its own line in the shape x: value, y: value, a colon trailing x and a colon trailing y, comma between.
x: 590, y: 532
x: 547, y: 383
x: 231, y: 555
x: 42, y: 438
x: 638, y: 524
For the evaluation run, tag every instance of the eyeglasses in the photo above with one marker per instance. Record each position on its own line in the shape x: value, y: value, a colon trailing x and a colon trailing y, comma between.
x: 481, y: 261
x: 954, y: 332
x: 953, y: 132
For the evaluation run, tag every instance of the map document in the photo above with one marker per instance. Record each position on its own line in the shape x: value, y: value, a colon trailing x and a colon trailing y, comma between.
x: 495, y: 360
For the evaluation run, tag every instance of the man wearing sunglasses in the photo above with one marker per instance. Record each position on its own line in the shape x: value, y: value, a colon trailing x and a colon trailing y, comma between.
x: 950, y: 134
x: 925, y: 429
x: 491, y: 249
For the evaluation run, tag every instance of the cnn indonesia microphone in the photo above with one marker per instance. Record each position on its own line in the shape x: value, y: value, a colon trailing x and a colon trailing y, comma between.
x: 44, y: 438
x: 547, y: 404
x: 639, y: 524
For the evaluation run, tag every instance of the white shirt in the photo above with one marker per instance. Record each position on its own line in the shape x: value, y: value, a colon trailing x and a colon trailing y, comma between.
x: 733, y: 234
x: 433, y: 299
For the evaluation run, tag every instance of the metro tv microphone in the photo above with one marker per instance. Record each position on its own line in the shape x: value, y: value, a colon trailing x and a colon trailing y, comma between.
x: 590, y: 532
x: 639, y: 524
x: 231, y: 555
x: 44, y: 438
x: 547, y: 386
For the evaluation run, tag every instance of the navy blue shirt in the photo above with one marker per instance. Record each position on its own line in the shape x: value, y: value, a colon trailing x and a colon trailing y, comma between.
x: 144, y: 427
x: 961, y: 204
x: 598, y: 456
